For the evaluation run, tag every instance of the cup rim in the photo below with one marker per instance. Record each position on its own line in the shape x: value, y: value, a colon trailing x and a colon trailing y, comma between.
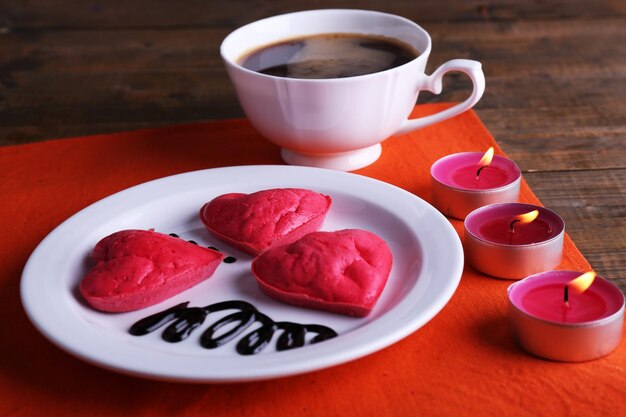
x: 235, y: 65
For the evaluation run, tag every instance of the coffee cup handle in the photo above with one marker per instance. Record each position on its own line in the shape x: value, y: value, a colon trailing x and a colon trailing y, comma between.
x: 434, y: 84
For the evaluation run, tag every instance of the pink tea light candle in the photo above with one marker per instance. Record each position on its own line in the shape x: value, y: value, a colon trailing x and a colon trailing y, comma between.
x: 513, y: 240
x: 566, y: 316
x: 465, y: 181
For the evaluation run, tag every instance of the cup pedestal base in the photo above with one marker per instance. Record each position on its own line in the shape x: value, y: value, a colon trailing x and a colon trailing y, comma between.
x: 341, y: 161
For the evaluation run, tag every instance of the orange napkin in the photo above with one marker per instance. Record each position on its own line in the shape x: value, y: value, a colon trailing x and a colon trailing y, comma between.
x: 463, y: 362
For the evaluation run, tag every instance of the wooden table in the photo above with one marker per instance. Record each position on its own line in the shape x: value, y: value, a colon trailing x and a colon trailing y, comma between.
x: 556, y: 82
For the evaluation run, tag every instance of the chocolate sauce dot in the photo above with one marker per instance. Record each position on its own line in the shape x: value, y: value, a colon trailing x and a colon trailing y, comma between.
x: 213, y: 247
x: 174, y: 235
x: 193, y: 242
x: 229, y: 260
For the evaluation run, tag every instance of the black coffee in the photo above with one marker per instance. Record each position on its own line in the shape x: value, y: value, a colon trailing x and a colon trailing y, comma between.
x: 330, y: 55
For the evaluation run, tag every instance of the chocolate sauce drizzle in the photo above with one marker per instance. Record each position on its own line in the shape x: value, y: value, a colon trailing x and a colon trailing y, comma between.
x: 187, y: 319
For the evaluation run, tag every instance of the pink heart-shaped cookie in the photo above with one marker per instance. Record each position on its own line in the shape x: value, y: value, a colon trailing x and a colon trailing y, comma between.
x: 138, y: 268
x: 265, y: 219
x: 343, y: 271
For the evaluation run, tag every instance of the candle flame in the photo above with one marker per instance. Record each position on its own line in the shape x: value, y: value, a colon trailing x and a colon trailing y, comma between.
x: 582, y: 282
x: 527, y: 217
x: 487, y: 157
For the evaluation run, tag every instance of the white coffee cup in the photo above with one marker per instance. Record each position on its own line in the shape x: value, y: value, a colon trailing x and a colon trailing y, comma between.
x: 338, y: 123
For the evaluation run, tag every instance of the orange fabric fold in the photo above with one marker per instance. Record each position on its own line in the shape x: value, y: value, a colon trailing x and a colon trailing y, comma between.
x: 463, y: 362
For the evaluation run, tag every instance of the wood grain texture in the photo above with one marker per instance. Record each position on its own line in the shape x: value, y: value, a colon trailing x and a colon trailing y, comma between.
x: 222, y: 13
x: 174, y: 75
x: 591, y: 203
x: 556, y: 82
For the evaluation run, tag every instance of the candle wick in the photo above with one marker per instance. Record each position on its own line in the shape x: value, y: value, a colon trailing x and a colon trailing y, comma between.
x: 479, y: 170
x: 512, y: 231
x: 566, y: 296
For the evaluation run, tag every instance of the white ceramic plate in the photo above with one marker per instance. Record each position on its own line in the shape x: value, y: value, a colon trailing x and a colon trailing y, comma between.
x: 428, y: 261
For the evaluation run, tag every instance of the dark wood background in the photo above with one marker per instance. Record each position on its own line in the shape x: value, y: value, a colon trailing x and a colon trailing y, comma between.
x: 556, y: 83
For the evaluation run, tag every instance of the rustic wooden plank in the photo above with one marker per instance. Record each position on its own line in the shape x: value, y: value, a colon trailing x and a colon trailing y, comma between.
x: 572, y: 51
x: 557, y: 57
x: 17, y: 14
x: 560, y: 137
x: 84, y: 52
x: 157, y: 75
x: 592, y: 206
x: 567, y: 49
x: 194, y: 94
x: 110, y: 56
x: 563, y: 150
